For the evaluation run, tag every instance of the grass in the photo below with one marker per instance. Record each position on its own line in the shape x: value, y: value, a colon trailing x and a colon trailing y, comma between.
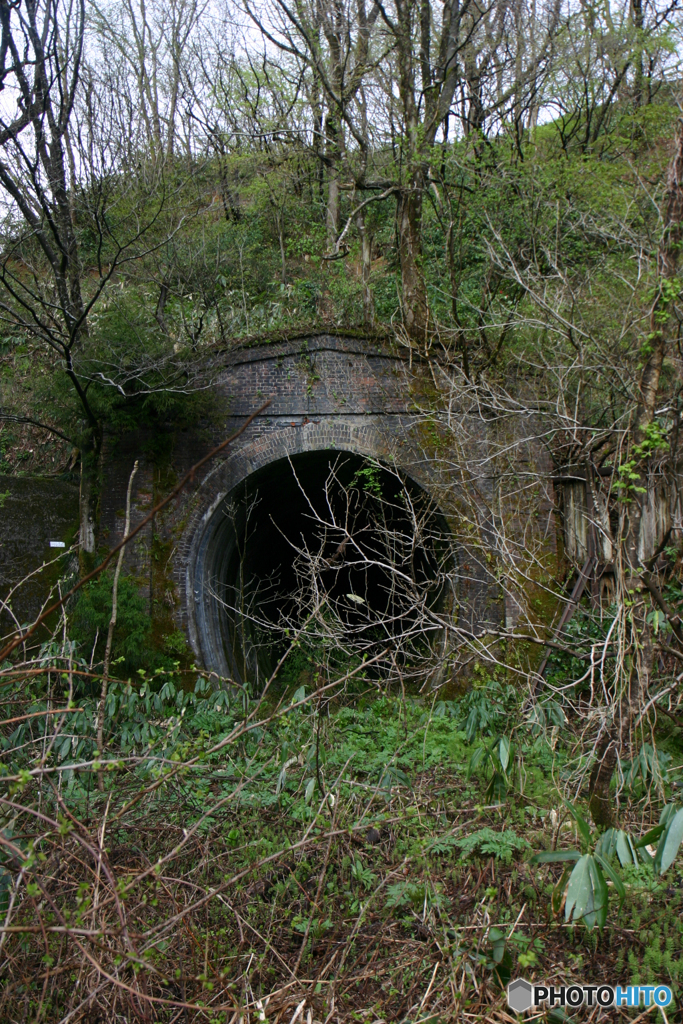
x: 248, y: 860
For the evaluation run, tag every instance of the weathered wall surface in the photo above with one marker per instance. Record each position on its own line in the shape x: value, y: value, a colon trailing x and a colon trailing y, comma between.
x: 327, y: 393
x: 33, y: 511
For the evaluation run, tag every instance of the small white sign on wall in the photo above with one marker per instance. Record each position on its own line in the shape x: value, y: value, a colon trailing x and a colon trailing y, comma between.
x: 57, y: 544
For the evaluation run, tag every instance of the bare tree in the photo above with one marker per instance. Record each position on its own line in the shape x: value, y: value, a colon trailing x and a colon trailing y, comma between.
x: 44, y: 43
x: 335, y: 46
x: 609, y: 423
x: 64, y: 149
x: 145, y: 52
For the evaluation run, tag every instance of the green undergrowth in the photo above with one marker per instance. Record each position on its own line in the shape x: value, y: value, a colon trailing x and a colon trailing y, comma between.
x: 311, y: 838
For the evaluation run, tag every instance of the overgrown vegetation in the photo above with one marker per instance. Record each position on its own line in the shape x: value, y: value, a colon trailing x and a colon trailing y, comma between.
x: 396, y: 809
x: 331, y: 850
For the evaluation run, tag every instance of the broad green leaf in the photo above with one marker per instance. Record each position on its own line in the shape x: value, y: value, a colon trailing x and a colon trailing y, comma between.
x: 615, y: 841
x: 625, y: 851
x: 497, y: 940
x: 579, y: 891
x: 668, y: 814
x: 584, y: 827
x: 600, y: 896
x: 669, y: 844
x: 645, y: 857
x: 496, y: 791
x: 558, y: 891
x: 613, y: 877
x: 587, y: 893
x: 555, y: 856
x: 649, y: 837
x: 476, y: 759
x: 606, y: 845
x: 504, y: 752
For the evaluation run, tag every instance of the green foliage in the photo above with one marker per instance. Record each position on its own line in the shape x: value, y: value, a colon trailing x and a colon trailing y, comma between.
x: 584, y: 630
x: 501, y: 959
x: 241, y: 779
x: 132, y: 648
x: 647, y: 768
x: 487, y: 707
x: 487, y: 842
x: 585, y: 890
x: 368, y: 479
x: 363, y: 875
x: 255, y: 267
x: 422, y: 896
x: 499, y: 753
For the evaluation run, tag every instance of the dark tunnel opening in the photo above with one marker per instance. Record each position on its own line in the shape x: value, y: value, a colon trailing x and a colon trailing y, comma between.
x: 330, y: 537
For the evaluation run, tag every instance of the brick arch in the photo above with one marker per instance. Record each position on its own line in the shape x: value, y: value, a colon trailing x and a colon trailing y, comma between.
x: 327, y: 392
x: 198, y: 554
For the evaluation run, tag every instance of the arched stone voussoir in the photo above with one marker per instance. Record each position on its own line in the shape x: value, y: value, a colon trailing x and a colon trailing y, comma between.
x: 197, y: 551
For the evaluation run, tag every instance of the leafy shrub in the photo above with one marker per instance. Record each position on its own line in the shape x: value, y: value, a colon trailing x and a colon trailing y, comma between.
x: 488, y: 842
x: 132, y: 643
x: 487, y: 709
x: 583, y: 890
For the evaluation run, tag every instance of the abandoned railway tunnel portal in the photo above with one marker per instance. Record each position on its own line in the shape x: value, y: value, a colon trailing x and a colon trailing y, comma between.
x: 328, y: 508
x: 363, y: 499
x: 324, y: 542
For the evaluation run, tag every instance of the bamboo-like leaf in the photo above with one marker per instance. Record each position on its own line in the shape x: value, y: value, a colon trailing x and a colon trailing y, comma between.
x: 625, y: 850
x: 669, y: 844
x: 600, y: 896
x: 616, y: 842
x: 476, y: 759
x: 504, y: 752
x: 558, y: 891
x: 613, y: 877
x: 579, y: 891
x: 606, y: 845
x: 587, y: 893
x: 649, y: 837
x: 584, y: 827
x: 554, y: 856
x: 668, y: 814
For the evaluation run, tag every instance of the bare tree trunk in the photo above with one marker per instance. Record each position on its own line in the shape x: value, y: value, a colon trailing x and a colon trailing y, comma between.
x: 455, y: 289
x: 366, y: 266
x: 88, y: 498
x: 333, y: 195
x: 638, y: 20
x: 110, y: 634
x: 414, y: 290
